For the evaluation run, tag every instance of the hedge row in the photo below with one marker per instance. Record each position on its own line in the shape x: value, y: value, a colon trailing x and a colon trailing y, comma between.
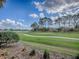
x: 8, y: 37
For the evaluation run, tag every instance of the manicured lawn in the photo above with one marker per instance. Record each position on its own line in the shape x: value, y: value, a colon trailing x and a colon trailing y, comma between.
x: 57, y: 42
x: 51, y: 41
x: 63, y: 34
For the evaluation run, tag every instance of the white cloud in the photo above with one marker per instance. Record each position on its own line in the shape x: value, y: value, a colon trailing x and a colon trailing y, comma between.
x: 38, y: 6
x: 53, y: 18
x: 33, y: 15
x: 8, y: 23
x: 58, y: 6
x: 42, y: 15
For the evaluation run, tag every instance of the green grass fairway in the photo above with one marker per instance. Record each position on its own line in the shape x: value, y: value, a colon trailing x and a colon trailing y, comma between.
x: 68, y: 44
x: 63, y: 34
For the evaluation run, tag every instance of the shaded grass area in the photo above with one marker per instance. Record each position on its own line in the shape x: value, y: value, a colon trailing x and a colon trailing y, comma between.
x: 63, y: 34
x: 51, y: 48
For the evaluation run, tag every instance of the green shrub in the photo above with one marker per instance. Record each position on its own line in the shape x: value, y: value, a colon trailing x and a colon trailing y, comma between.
x: 32, y: 53
x: 77, y: 57
x: 8, y: 37
x: 46, y: 55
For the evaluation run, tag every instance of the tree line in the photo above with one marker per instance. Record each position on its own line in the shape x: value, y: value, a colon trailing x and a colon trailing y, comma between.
x: 64, y: 23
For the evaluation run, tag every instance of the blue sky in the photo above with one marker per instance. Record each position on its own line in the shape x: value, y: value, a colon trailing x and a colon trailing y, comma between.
x: 24, y: 12
x: 18, y: 10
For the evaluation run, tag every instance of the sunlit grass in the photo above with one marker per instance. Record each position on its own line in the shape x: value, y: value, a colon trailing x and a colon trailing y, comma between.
x: 51, y: 41
x: 63, y: 34
x: 63, y: 45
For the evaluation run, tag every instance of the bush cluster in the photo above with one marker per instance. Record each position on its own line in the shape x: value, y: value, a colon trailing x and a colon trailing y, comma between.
x: 77, y: 56
x: 32, y: 53
x: 8, y: 37
x: 46, y: 55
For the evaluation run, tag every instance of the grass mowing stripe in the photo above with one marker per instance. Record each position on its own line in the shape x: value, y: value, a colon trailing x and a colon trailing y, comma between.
x: 64, y: 34
x: 54, y: 37
x: 51, y: 41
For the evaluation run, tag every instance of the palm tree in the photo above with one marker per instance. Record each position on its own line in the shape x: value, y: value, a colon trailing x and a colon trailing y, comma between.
x: 58, y: 21
x: 42, y: 22
x: 34, y: 26
x: 50, y: 22
x: 2, y: 3
x: 76, y: 20
x: 64, y: 20
x: 69, y: 18
x: 45, y: 19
